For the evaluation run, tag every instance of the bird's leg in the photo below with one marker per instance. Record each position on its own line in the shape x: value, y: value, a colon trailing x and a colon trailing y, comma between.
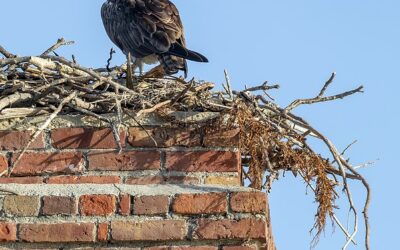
x: 139, y: 64
x: 129, y: 75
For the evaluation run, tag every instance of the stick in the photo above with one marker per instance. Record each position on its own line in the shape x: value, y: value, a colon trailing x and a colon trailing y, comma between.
x: 60, y: 42
x: 150, y: 110
x: 112, y: 51
x: 6, y: 53
x: 320, y: 98
x: 43, y: 127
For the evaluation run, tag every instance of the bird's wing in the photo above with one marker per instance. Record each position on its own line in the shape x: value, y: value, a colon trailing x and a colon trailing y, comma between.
x: 143, y: 27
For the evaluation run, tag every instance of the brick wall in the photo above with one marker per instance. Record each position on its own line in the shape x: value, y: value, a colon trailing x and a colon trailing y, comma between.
x: 169, y: 188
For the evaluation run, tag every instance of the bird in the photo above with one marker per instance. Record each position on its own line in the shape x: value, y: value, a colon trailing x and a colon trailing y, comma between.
x: 147, y: 32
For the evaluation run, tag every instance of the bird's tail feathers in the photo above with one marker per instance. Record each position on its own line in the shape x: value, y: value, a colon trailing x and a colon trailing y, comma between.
x: 180, y: 51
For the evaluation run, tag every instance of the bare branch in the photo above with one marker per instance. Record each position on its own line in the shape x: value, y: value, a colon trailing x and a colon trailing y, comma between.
x: 43, y: 127
x: 321, y: 98
x: 112, y: 52
x: 60, y: 42
x: 6, y: 53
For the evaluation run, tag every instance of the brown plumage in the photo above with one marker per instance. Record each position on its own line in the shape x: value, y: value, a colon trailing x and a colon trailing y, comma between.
x: 151, y: 31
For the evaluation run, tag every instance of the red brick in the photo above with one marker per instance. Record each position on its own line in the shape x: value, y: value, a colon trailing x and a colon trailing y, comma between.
x: 145, y: 180
x: 59, y: 205
x: 102, y: 232
x: 243, y: 229
x: 32, y: 163
x: 55, y: 233
x: 157, y: 230
x: 248, y: 202
x: 97, y: 205
x: 150, y: 205
x: 21, y: 180
x: 125, y: 204
x: 164, y: 137
x: 207, y: 161
x: 83, y: 138
x: 71, y: 179
x: 18, y: 140
x: 8, y: 232
x: 239, y: 247
x: 212, y: 203
x: 227, y: 138
x: 126, y: 161
x: 182, y: 248
x: 3, y: 165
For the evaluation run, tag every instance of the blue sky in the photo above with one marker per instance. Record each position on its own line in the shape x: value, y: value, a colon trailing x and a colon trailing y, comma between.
x: 295, y: 43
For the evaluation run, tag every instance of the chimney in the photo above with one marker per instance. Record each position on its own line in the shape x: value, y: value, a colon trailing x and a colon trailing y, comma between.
x: 167, y: 187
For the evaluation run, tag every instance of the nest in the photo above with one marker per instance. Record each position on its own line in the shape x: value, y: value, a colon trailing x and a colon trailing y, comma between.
x: 272, y: 139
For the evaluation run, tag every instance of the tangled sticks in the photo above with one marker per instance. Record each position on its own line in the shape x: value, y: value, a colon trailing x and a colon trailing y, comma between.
x: 273, y: 139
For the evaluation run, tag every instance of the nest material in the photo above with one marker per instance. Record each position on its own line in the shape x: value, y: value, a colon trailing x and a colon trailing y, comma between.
x: 273, y: 139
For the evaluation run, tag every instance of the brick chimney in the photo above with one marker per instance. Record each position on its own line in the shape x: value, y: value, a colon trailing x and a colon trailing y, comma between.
x: 169, y: 188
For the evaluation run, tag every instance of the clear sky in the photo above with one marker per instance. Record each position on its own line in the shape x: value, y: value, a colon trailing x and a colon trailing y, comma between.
x: 296, y: 43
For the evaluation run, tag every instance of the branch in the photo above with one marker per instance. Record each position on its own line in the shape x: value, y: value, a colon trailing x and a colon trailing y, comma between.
x: 60, y: 42
x: 112, y: 52
x: 321, y: 98
x: 43, y: 127
x: 6, y: 53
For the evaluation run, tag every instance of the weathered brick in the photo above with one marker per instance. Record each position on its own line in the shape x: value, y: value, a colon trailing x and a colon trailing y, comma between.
x: 126, y: 161
x: 157, y: 230
x: 21, y: 205
x: 82, y: 138
x: 207, y: 161
x: 182, y: 248
x: 104, y: 248
x: 3, y: 165
x: 102, y: 232
x: 251, y: 247
x: 57, y: 233
x: 125, y: 204
x: 211, y: 203
x: 227, y: 138
x: 222, y: 180
x: 21, y: 180
x: 243, y: 229
x: 72, y: 179
x: 18, y: 140
x: 145, y: 180
x: 150, y: 205
x: 97, y: 205
x: 164, y: 137
x: 33, y: 163
x: 59, y: 205
x: 8, y: 232
x: 248, y: 202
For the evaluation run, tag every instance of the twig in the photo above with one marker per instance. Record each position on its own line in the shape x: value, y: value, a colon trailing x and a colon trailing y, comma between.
x: 227, y: 87
x: 141, y: 126
x: 263, y: 87
x: 112, y: 51
x: 43, y: 127
x: 18, y: 97
x: 6, y: 53
x: 91, y: 73
x: 151, y: 110
x: 320, y: 98
x: 60, y: 42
